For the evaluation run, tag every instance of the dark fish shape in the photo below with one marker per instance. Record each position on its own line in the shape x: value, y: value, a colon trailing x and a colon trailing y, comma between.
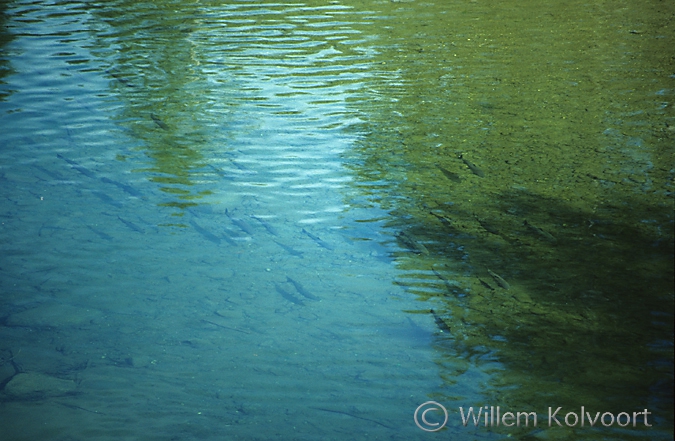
x: 69, y: 161
x: 239, y: 166
x: 131, y: 225
x: 219, y: 172
x: 291, y: 298
x: 100, y: 233
x: 206, y: 233
x: 440, y: 322
x: 451, y: 286
x: 354, y: 415
x: 289, y: 250
x: 159, y: 122
x: 544, y: 234
x: 410, y: 243
x: 487, y: 226
x: 500, y: 281
x: 126, y: 188
x: 270, y: 229
x: 88, y: 173
x: 318, y: 240
x: 450, y: 175
x: 241, y: 224
x: 302, y: 290
x: 474, y: 169
x: 200, y: 210
x: 444, y: 220
x: 485, y: 284
x: 107, y: 199
x: 439, y: 275
x: 121, y: 79
x: 226, y: 238
x: 52, y: 174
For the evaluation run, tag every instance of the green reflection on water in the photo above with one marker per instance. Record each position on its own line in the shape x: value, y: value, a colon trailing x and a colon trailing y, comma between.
x: 5, y: 38
x: 559, y: 109
x: 158, y: 68
x: 563, y: 111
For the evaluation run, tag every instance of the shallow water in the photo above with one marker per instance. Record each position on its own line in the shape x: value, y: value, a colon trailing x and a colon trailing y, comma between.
x: 232, y: 221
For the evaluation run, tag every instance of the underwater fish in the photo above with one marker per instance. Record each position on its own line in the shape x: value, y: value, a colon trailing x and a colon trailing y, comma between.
x: 100, y: 233
x: 226, y: 238
x: 52, y: 174
x: 450, y: 175
x: 544, y: 234
x: 207, y: 234
x: 270, y: 229
x: 121, y: 79
x: 220, y: 172
x: 500, y: 281
x: 291, y: 251
x: 440, y: 322
x: 131, y: 225
x: 444, y: 220
x: 88, y: 173
x: 288, y: 296
x: 107, y: 199
x: 439, y: 275
x: 473, y: 167
x: 487, y: 226
x: 485, y: 284
x: 302, y: 290
x: 241, y: 224
x: 318, y: 240
x: 126, y: 188
x: 159, y: 122
x: 450, y: 286
x: 410, y: 243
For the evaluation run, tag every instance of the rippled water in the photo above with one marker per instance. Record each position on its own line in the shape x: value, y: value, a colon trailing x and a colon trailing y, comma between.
x: 231, y: 221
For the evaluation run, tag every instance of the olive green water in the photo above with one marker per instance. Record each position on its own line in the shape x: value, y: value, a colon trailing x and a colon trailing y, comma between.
x: 565, y: 108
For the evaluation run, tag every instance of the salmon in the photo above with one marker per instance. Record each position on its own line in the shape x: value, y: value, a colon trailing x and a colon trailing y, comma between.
x: 291, y: 251
x: 318, y: 240
x: 88, y: 173
x: 544, y: 234
x: 500, y: 281
x: 444, y: 220
x: 241, y: 224
x: 288, y: 296
x: 440, y: 322
x: 159, y: 122
x: 473, y: 167
x: 410, y: 243
x: 207, y: 234
x: 450, y: 175
x: 124, y: 187
x: 131, y: 225
x: 270, y: 229
x: 302, y: 290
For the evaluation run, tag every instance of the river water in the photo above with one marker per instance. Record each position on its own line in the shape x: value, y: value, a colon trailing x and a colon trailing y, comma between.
x: 302, y: 220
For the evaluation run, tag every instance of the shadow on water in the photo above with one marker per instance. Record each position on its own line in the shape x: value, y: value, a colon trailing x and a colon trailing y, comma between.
x: 562, y: 306
x: 579, y: 317
x: 531, y: 203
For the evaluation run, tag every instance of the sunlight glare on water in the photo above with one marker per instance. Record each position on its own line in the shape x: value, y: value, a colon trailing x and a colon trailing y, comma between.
x: 180, y: 259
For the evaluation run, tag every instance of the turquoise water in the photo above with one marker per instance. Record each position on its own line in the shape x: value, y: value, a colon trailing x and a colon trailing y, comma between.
x: 213, y: 228
x: 163, y: 178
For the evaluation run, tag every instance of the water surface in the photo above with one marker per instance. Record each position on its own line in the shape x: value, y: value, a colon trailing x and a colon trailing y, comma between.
x: 234, y: 220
